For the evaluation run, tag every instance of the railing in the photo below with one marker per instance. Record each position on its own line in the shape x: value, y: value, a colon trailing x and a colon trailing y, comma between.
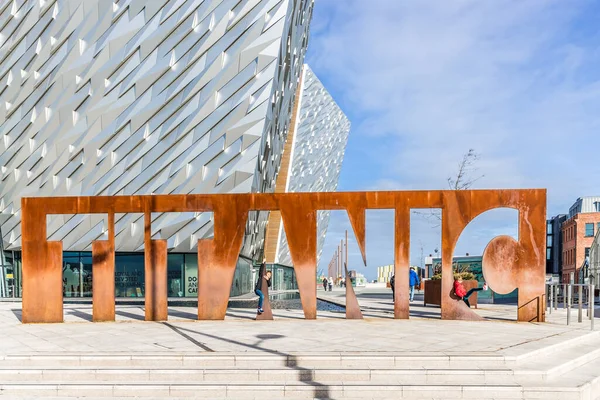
x: 585, y: 294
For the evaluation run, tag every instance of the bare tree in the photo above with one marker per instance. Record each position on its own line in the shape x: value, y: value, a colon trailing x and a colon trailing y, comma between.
x: 464, y: 179
x: 466, y: 169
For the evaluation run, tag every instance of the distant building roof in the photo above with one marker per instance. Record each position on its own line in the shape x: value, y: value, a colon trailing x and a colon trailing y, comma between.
x: 587, y: 204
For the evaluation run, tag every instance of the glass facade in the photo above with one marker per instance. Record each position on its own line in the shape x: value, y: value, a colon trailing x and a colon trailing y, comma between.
x: 243, y: 278
x: 11, y: 274
x: 283, y: 278
x: 77, y: 274
x: 129, y: 275
x: 182, y: 275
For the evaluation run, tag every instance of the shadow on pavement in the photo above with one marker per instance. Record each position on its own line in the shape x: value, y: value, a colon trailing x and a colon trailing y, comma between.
x: 183, y: 314
x: 18, y: 313
x: 78, y: 313
x: 129, y: 315
x: 188, y: 337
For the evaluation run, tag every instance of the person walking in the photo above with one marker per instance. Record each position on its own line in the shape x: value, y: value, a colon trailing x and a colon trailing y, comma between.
x: 461, y: 292
x: 324, y: 282
x: 330, y: 281
x: 413, y: 280
x: 262, y: 274
x: 392, y: 285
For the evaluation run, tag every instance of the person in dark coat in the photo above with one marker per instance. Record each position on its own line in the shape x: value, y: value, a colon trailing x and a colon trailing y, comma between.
x: 262, y: 274
x: 392, y: 283
x: 324, y: 282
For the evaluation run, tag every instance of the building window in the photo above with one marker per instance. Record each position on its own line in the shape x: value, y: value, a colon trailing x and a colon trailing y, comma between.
x: 570, y: 256
x: 549, y: 241
x: 549, y: 229
x: 589, y: 229
x: 548, y: 254
x: 587, y: 252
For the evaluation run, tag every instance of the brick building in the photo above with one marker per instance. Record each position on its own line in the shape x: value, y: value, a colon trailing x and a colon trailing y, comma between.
x: 578, y: 235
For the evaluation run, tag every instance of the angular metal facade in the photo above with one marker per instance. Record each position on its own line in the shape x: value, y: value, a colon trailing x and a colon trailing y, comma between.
x: 144, y: 97
x: 318, y: 150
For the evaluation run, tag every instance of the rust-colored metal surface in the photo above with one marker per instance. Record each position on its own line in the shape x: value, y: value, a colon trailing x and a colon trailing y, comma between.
x: 507, y: 264
x: 42, y: 268
x: 401, y: 261
x: 156, y: 304
x: 217, y: 257
x: 103, y: 281
x: 103, y: 276
x: 352, y: 306
x: 300, y: 223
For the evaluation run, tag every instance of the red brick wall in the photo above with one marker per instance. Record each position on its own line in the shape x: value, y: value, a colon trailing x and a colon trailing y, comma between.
x: 575, y: 242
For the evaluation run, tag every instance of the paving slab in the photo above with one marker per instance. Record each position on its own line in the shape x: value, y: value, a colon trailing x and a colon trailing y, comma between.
x: 288, y: 333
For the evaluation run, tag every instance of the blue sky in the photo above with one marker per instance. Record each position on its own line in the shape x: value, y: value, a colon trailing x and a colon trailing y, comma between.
x: 422, y: 82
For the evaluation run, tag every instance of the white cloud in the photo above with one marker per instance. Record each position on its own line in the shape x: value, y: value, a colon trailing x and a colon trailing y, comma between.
x: 422, y: 82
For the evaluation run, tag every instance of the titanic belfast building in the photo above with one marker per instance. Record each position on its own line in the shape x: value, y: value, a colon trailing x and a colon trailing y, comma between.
x: 103, y: 98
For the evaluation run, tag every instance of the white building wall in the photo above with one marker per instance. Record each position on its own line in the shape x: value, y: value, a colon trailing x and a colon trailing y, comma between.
x: 144, y: 97
x: 318, y: 152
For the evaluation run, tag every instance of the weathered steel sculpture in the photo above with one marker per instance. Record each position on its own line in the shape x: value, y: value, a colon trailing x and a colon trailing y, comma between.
x: 507, y: 264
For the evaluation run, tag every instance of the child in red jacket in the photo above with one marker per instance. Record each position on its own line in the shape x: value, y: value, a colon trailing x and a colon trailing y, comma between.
x: 460, y: 291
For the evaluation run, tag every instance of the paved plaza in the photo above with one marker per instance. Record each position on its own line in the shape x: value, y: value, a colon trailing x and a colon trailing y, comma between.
x: 289, y: 332
x: 374, y: 358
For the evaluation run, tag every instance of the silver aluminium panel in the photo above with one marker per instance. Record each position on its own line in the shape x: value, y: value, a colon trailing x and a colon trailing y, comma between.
x: 144, y: 97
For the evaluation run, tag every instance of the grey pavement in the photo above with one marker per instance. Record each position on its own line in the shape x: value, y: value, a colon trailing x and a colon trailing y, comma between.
x: 289, y: 332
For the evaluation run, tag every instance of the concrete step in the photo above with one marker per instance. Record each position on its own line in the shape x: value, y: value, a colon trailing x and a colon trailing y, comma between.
x: 211, y: 383
x: 535, y: 349
x: 265, y: 391
x: 586, y: 378
x: 260, y: 361
x: 294, y: 391
x: 563, y: 359
x: 398, y: 376
x: 564, y: 369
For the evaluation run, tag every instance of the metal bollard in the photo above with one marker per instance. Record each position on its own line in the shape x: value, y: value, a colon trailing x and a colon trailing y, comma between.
x: 565, y: 296
x: 580, y: 301
x: 551, y: 287
x: 593, y: 296
x: 568, y: 301
x: 590, y: 302
x: 556, y: 297
x: 587, y: 293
